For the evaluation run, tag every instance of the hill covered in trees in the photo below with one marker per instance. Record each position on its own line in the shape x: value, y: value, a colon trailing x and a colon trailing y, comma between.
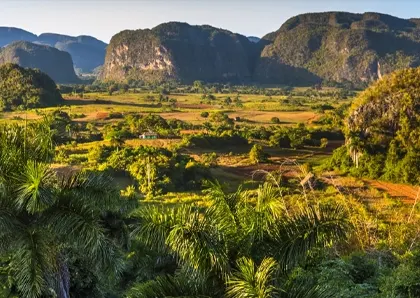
x: 87, y: 52
x: 382, y: 130
x: 178, y: 51
x: 57, y: 64
x: 27, y: 88
x: 339, y: 47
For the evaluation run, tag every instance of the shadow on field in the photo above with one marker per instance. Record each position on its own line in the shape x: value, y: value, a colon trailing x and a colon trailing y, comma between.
x: 84, y: 102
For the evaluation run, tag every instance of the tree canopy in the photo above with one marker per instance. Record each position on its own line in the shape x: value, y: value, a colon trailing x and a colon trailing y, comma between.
x: 22, y: 88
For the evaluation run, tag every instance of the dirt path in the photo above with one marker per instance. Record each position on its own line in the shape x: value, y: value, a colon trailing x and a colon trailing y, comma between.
x: 407, y: 193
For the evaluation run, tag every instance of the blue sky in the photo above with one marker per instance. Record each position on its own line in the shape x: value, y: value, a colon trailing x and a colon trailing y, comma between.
x: 104, y: 18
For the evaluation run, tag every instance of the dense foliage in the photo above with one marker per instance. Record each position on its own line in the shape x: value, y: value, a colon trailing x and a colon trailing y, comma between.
x: 338, y: 47
x: 22, y: 88
x: 156, y: 170
x: 55, y: 230
x: 383, y: 131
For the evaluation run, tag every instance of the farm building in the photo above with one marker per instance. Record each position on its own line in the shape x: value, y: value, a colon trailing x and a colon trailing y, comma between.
x: 149, y: 135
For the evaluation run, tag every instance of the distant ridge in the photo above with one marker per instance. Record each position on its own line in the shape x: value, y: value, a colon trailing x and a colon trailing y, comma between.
x: 330, y: 47
x: 55, y: 63
x: 254, y: 39
x: 87, y: 52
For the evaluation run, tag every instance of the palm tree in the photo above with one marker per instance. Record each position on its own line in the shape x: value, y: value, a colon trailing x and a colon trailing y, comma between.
x: 223, y: 241
x: 251, y: 282
x: 44, y: 217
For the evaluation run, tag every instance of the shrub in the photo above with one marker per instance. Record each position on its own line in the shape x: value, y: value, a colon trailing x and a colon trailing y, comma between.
x: 275, y: 120
x: 257, y: 155
x: 324, y: 143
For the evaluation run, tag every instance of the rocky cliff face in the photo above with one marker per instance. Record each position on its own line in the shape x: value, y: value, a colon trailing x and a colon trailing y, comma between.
x: 178, y: 51
x: 338, y: 47
x: 55, y: 63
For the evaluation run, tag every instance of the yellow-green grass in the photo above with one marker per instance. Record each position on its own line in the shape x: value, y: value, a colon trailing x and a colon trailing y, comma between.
x: 258, y: 109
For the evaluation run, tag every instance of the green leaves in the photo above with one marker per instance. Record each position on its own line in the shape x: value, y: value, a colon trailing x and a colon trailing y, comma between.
x: 250, y: 281
x: 44, y: 219
x: 188, y: 234
x: 34, y: 192
x: 311, y: 227
x: 32, y: 262
x: 181, y: 286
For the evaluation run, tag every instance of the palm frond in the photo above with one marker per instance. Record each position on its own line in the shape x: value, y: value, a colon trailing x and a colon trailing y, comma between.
x: 33, y: 192
x: 250, y: 281
x: 312, y: 227
x: 198, y: 242
x: 263, y: 209
x: 33, y: 259
x: 154, y: 226
x: 195, y: 286
x: 224, y: 207
x: 92, y: 190
x: 305, y: 289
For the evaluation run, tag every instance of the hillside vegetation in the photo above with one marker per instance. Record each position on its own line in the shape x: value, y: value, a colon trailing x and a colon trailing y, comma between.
x: 26, y: 88
x: 57, y: 64
x: 382, y: 130
x: 339, y: 47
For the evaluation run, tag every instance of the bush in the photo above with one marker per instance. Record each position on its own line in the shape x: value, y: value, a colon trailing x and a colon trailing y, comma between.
x: 257, y: 155
x: 324, y: 143
x: 204, y: 114
x: 275, y: 120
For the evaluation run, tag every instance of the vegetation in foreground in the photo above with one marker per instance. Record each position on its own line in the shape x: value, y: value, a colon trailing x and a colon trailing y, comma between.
x: 174, y: 230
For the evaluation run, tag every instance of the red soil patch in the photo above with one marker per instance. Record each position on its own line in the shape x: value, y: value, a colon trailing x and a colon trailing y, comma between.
x: 101, y: 115
x: 407, y: 193
x: 193, y: 106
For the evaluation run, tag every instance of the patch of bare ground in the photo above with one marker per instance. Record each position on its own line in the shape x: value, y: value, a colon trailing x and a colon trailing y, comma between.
x: 407, y: 193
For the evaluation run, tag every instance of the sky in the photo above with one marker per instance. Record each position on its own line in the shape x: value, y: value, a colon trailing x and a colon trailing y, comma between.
x: 104, y: 18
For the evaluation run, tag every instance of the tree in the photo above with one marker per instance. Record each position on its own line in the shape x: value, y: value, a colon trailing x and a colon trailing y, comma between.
x: 275, y: 120
x: 228, y: 101
x: 198, y: 86
x: 220, y: 244
x: 250, y: 281
x: 112, y: 88
x: 257, y: 155
x: 324, y: 143
x: 204, y: 114
x: 45, y: 218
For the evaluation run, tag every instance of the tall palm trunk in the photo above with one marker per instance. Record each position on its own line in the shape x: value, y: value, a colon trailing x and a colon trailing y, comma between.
x: 63, y: 280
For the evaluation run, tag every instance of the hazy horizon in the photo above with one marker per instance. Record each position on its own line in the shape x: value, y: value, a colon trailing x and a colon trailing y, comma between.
x: 104, y: 18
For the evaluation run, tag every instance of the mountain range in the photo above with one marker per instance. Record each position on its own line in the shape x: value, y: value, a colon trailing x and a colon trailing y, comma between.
x: 87, y: 52
x: 333, y: 47
x: 57, y: 64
